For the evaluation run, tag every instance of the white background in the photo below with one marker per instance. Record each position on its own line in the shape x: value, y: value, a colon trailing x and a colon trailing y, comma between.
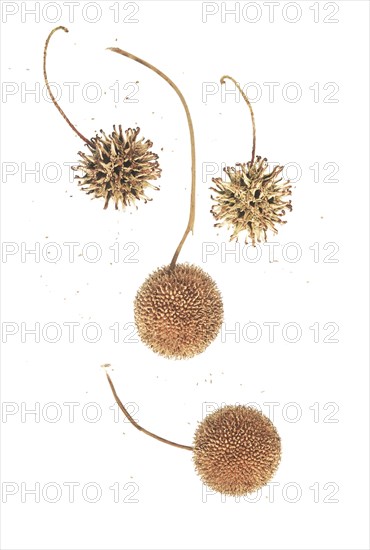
x: 325, y: 431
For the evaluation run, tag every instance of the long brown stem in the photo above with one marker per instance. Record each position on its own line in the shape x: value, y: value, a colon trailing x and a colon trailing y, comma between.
x: 51, y: 93
x: 134, y: 423
x: 250, y: 109
x: 190, y: 226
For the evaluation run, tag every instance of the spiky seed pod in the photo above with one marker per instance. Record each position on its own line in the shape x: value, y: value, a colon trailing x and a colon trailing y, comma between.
x: 253, y: 200
x: 178, y: 311
x: 119, y: 167
x: 236, y: 450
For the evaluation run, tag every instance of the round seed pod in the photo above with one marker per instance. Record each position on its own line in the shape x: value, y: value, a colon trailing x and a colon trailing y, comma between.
x: 236, y: 450
x: 178, y: 311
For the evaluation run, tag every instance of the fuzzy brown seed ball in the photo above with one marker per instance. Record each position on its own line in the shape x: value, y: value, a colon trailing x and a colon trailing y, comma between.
x: 119, y: 167
x: 178, y: 311
x: 236, y: 450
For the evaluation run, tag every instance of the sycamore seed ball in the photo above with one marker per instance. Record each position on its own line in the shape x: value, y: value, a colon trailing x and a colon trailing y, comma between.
x: 179, y: 311
x: 236, y: 450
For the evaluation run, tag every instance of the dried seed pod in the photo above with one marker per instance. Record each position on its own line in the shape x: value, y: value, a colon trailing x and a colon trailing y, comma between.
x: 179, y: 311
x: 118, y: 166
x: 253, y: 199
x: 174, y: 312
x: 236, y: 449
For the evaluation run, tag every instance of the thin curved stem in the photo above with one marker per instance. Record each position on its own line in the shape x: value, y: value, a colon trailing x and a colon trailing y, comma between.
x: 250, y: 109
x: 190, y: 226
x: 51, y: 93
x: 134, y: 423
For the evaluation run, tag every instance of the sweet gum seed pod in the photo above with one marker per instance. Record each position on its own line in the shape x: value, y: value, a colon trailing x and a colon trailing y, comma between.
x: 118, y: 166
x: 253, y: 199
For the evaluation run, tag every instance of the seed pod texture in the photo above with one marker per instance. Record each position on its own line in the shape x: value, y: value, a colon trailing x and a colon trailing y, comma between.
x: 252, y: 200
x: 236, y: 450
x: 178, y: 311
x: 119, y: 167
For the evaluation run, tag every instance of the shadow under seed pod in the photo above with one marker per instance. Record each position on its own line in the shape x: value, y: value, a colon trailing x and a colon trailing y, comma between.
x: 252, y: 199
x: 118, y: 166
x: 236, y: 449
x: 178, y: 309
